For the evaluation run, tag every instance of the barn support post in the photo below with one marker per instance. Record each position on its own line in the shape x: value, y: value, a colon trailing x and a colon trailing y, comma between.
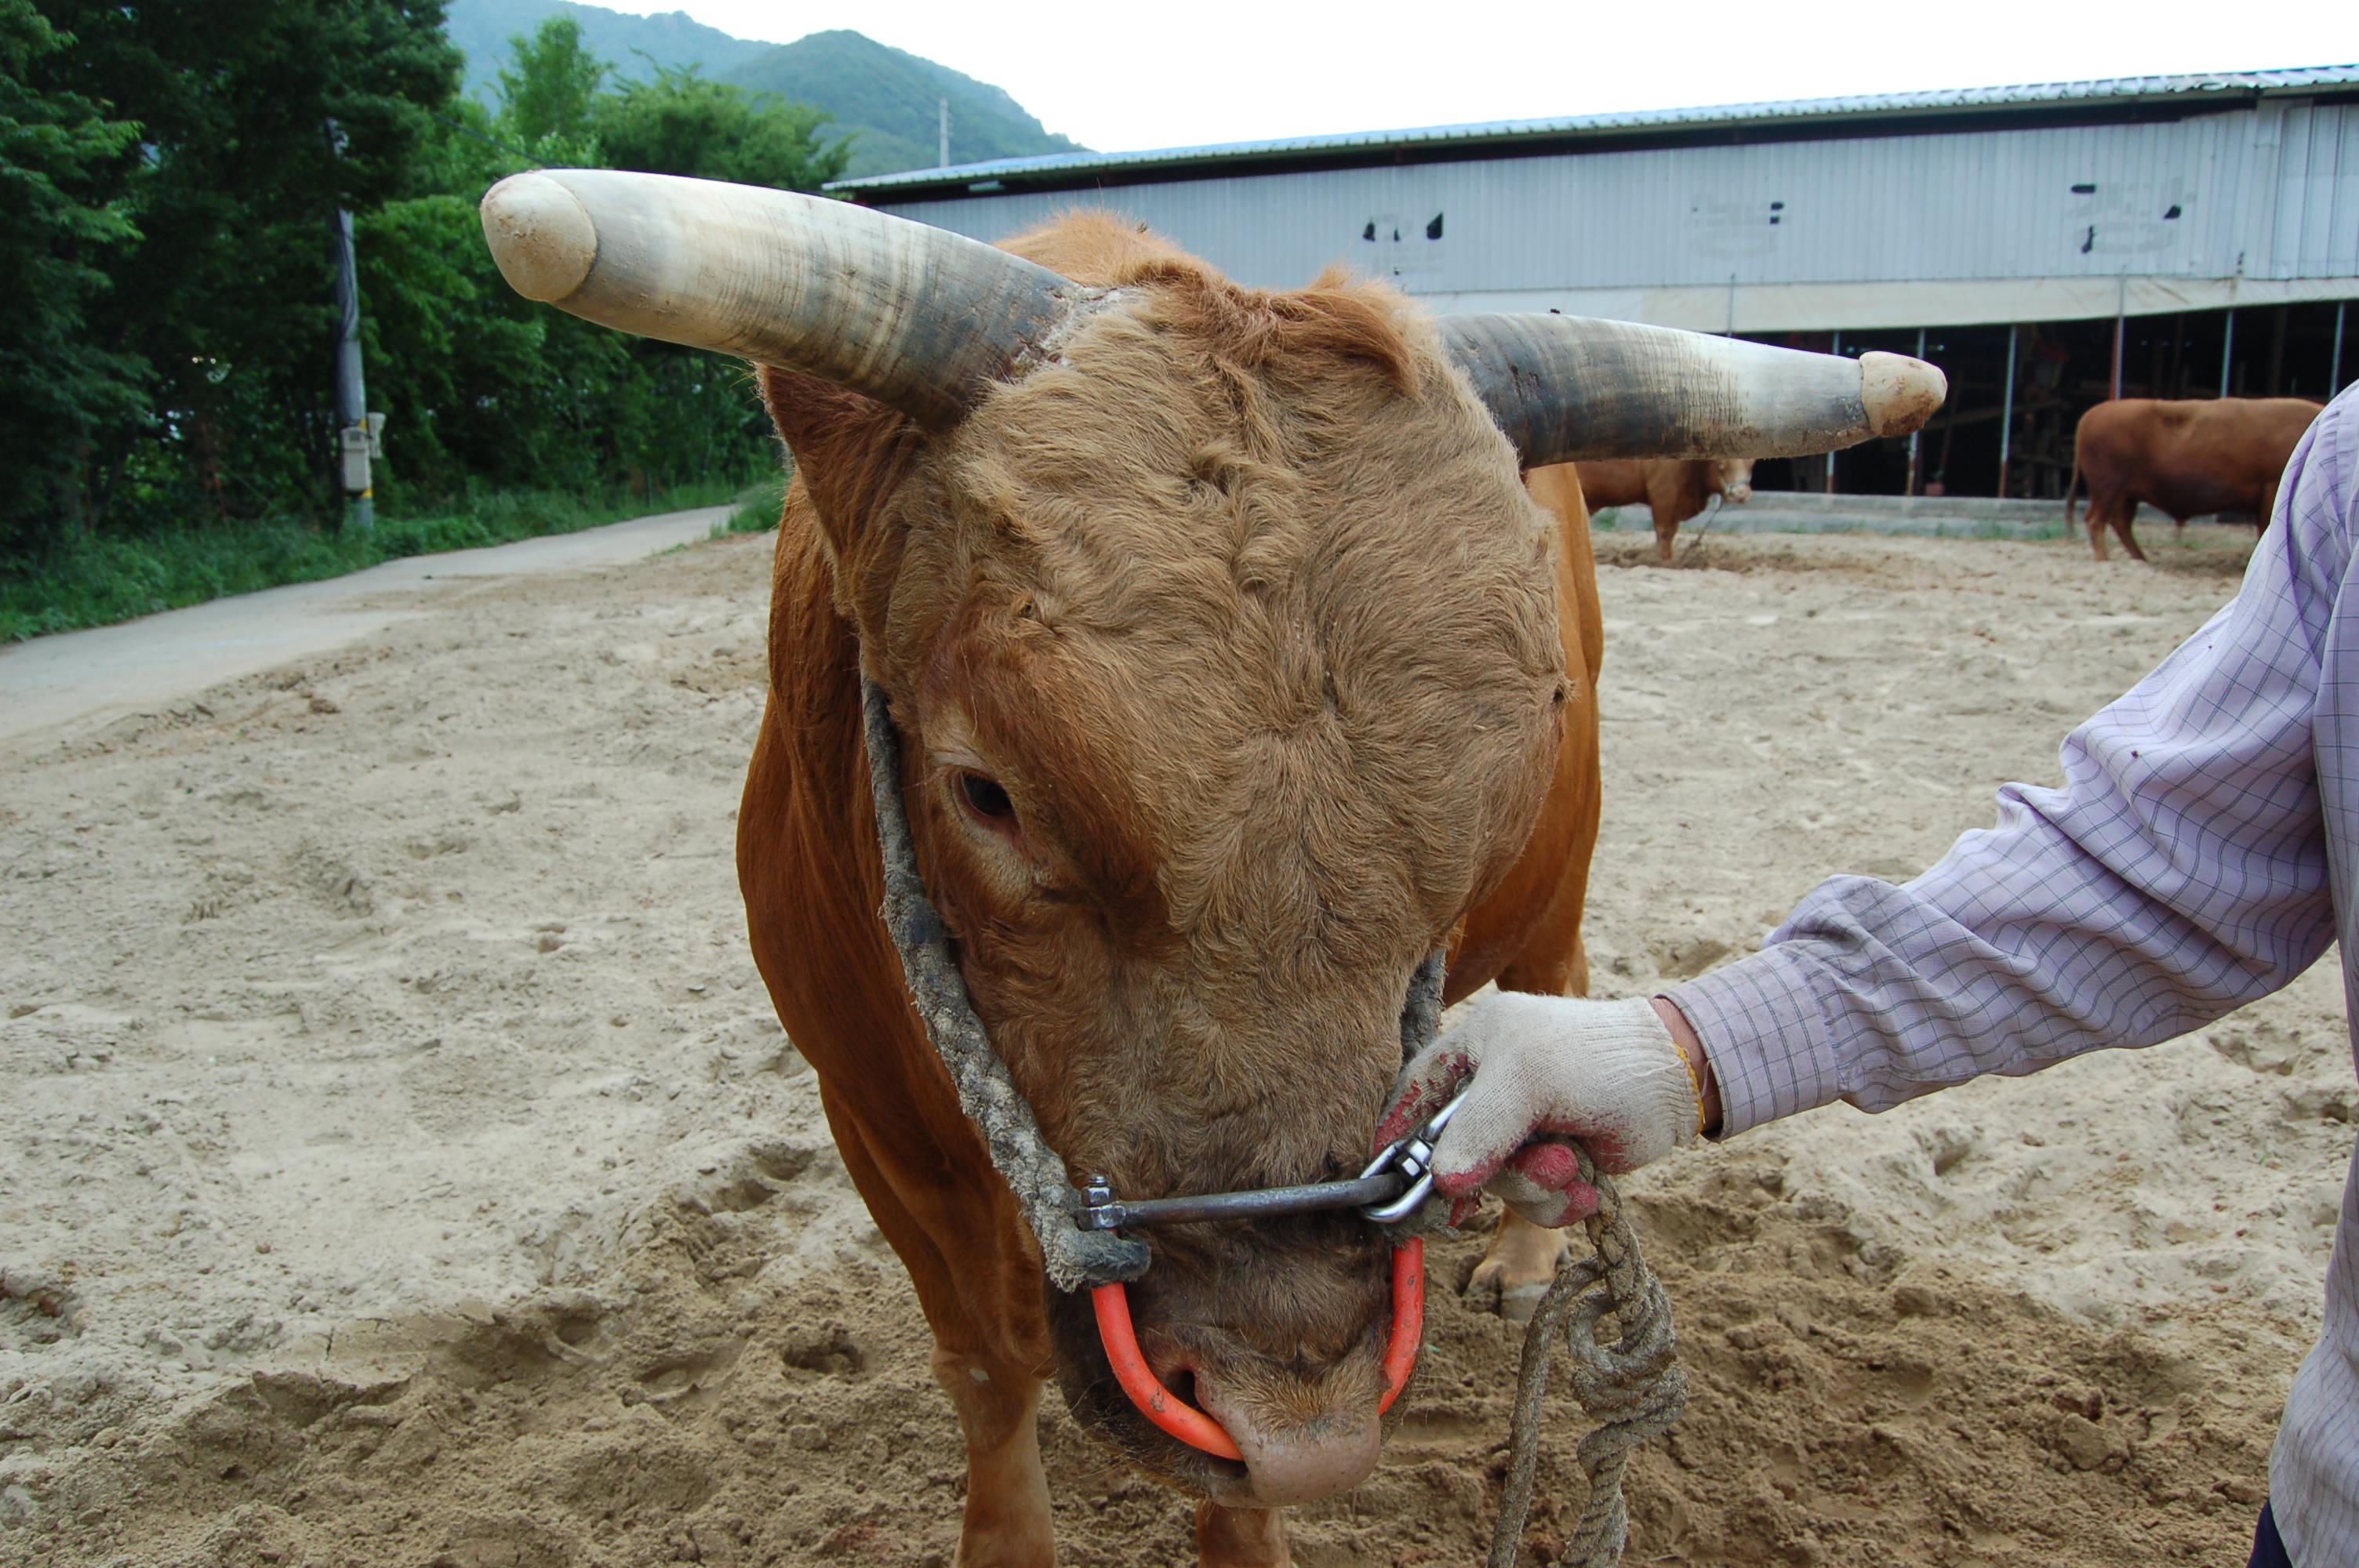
x: 2334, y: 369
x: 2006, y: 410
x: 1911, y: 487
x: 1834, y: 346
x: 2227, y: 350
x: 2121, y: 324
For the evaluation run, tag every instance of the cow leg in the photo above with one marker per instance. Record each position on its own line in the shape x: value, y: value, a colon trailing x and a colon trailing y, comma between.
x: 997, y: 1395
x: 1520, y: 1263
x: 1543, y: 954
x: 1007, y: 1519
x: 2122, y: 517
x: 2096, y: 521
x: 1664, y: 500
x: 1241, y: 1538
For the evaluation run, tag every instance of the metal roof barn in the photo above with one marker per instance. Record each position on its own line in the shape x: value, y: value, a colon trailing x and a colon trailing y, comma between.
x: 2047, y: 203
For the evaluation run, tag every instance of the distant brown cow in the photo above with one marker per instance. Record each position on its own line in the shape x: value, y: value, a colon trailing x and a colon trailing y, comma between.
x: 2186, y: 459
x: 1673, y: 488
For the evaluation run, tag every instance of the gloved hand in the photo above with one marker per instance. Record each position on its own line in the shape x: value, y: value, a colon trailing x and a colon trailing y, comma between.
x: 1605, y: 1074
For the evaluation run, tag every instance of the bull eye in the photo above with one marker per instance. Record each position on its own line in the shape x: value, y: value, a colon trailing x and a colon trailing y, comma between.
x: 985, y: 799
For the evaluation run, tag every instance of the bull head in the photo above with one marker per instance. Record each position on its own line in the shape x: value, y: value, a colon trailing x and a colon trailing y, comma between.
x: 1225, y: 646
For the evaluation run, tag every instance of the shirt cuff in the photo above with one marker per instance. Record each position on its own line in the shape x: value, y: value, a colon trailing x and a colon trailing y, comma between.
x: 1765, y: 1031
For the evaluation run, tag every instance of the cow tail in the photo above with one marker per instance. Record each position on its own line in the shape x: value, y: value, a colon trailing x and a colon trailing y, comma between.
x: 2073, y: 488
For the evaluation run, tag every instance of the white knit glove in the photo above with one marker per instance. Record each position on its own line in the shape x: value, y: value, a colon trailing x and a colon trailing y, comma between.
x: 1604, y: 1074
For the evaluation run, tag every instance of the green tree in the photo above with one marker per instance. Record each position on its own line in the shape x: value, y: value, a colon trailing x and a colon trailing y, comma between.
x: 168, y: 181
x: 59, y: 158
x: 554, y: 86
x: 682, y: 123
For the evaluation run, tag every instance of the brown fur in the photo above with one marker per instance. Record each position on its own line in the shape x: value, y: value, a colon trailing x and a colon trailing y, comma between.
x: 2183, y: 459
x: 1241, y: 601
x: 1674, y: 489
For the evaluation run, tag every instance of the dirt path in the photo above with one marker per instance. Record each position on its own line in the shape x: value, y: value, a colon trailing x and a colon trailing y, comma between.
x: 77, y: 678
x: 404, y: 1168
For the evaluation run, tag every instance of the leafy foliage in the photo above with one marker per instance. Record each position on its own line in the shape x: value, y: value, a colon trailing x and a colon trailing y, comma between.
x: 553, y: 89
x: 682, y: 124
x: 57, y: 386
x: 222, y: 298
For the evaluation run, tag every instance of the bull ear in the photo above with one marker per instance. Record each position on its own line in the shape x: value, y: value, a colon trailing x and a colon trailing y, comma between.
x: 1567, y: 388
x: 914, y: 317
x: 850, y: 452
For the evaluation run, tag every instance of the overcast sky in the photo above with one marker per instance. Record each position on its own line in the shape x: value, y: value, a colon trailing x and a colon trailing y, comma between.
x: 1133, y: 75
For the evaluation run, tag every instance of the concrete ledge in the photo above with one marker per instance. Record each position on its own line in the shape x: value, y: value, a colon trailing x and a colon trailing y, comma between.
x: 1939, y: 516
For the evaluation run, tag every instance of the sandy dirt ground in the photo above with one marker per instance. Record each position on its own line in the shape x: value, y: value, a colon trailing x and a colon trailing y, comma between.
x: 403, y: 1166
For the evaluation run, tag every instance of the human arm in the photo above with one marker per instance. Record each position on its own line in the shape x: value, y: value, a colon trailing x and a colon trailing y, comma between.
x: 2180, y: 871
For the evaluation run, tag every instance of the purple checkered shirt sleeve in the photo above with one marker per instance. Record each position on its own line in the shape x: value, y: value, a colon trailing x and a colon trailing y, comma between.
x: 2202, y: 852
x: 2180, y: 873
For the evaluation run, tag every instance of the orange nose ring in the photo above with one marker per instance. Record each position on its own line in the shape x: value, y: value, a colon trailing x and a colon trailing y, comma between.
x: 1192, y: 1426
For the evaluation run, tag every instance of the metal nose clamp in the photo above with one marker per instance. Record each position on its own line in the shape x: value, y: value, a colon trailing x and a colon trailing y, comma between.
x: 1410, y: 1157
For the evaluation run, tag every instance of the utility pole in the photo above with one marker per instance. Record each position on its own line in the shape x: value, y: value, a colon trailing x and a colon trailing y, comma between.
x: 354, y: 445
x: 945, y: 152
x: 360, y: 435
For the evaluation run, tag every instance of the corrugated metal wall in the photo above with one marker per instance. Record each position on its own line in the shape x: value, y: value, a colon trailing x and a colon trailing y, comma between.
x: 2252, y: 195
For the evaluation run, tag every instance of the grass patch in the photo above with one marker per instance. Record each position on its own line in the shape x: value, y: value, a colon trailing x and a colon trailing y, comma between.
x: 98, y: 580
x: 757, y: 507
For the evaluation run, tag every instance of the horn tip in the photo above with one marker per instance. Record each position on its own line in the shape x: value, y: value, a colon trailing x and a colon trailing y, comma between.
x: 1898, y: 392
x: 541, y: 235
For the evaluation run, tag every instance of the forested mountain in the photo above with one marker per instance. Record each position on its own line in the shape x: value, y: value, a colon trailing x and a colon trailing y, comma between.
x: 886, y: 100
x: 891, y: 102
x: 634, y: 45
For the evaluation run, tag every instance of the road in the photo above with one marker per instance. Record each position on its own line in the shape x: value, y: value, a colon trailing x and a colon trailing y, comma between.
x: 79, y: 679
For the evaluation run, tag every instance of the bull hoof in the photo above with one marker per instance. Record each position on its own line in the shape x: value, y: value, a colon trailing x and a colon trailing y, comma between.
x: 1518, y: 1270
x: 1492, y: 1290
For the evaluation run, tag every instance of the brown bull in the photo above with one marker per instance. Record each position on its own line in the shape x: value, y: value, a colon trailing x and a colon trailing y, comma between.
x: 1673, y: 488
x: 1234, y: 672
x: 2183, y: 459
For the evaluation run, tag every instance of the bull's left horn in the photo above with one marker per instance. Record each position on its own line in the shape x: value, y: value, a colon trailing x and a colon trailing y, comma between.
x: 1567, y: 388
x: 912, y: 316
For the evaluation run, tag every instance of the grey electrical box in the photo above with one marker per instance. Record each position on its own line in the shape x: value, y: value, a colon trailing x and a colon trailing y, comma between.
x: 353, y: 448
x: 376, y: 434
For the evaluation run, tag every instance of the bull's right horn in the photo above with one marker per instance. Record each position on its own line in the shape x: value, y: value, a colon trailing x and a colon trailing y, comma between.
x: 912, y: 316
x: 1567, y: 387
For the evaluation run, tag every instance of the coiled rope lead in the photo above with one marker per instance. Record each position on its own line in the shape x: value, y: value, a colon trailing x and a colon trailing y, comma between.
x: 1632, y: 1387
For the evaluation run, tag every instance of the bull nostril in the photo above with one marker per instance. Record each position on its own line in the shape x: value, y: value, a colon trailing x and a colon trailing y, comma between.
x: 1183, y: 1384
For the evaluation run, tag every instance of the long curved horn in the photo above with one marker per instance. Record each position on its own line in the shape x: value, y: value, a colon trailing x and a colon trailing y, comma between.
x: 913, y: 316
x: 1567, y: 388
